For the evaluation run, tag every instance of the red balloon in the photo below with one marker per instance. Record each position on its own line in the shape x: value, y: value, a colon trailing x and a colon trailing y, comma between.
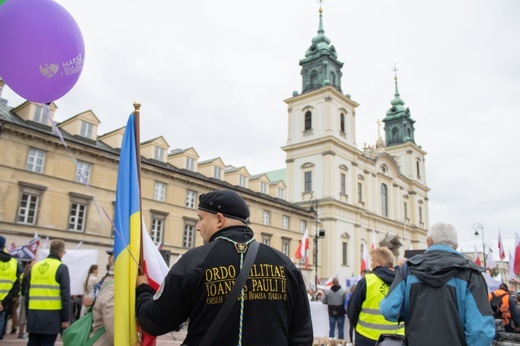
x: 42, y: 53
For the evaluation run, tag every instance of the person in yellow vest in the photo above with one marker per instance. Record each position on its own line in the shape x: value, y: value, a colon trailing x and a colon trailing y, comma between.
x: 363, y: 307
x: 48, y: 301
x: 10, y: 271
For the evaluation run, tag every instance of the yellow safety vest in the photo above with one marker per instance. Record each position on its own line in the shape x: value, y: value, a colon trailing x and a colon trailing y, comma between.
x: 7, y: 276
x: 44, y: 290
x: 371, y: 323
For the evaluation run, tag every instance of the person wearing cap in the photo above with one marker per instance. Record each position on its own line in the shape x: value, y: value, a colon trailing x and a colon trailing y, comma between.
x: 48, y: 300
x: 10, y: 271
x: 275, y: 309
x: 441, y: 295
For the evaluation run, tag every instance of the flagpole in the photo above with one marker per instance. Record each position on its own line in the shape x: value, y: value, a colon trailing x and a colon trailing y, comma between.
x: 137, y: 129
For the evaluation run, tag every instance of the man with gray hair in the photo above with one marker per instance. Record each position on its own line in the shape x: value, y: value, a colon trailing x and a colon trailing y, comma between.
x: 441, y: 296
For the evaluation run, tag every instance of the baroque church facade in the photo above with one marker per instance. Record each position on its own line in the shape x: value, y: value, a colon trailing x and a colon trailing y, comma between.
x: 344, y: 196
x: 372, y: 196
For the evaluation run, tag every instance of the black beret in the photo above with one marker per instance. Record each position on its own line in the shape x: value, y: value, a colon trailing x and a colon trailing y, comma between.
x: 227, y: 202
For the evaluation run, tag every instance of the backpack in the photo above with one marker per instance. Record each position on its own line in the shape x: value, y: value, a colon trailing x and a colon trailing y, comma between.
x: 78, y: 333
x: 496, y: 304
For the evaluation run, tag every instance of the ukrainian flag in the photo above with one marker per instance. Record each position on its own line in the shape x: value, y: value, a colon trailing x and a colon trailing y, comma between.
x: 127, y: 240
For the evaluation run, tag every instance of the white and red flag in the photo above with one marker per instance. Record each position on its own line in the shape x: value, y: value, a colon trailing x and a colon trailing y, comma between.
x: 490, y: 261
x: 153, y: 263
x: 365, y: 261
x: 517, y: 254
x: 501, y: 252
x: 303, y: 247
x: 374, y: 242
x: 476, y: 259
x: 511, y: 267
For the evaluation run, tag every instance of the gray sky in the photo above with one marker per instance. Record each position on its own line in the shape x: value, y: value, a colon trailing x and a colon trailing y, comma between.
x: 213, y: 76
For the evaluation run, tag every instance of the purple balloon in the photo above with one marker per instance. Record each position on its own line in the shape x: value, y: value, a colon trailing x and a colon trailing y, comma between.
x: 42, y: 51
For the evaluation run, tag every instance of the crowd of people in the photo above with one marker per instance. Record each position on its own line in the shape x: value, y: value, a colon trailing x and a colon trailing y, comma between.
x: 435, y: 298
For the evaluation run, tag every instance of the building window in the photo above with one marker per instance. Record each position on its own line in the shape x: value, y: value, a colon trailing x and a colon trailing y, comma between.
x: 157, y: 229
x: 158, y: 154
x: 286, y: 247
x: 190, y: 163
x: 342, y: 122
x: 281, y: 193
x: 190, y: 199
x: 77, y: 217
x: 265, y: 217
x: 418, y: 169
x: 35, y: 160
x: 308, y: 182
x: 188, y: 235
x: 29, y: 203
x: 266, y: 239
x: 217, y: 172
x: 39, y: 115
x: 263, y: 187
x: 82, y: 172
x: 384, y: 200
x: 159, y: 191
x: 242, y: 180
x: 86, y: 129
x: 405, y: 211
x: 303, y: 226
x: 360, y: 192
x: 285, y: 222
x: 344, y: 253
x: 420, y: 216
x: 343, y: 183
x: 308, y: 120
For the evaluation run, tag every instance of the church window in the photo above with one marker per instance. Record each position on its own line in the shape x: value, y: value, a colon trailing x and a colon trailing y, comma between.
x: 314, y: 79
x: 384, y: 200
x: 343, y: 183
x: 332, y: 78
x: 308, y: 120
x: 342, y: 122
x: 308, y: 182
x: 418, y: 166
x: 395, y: 132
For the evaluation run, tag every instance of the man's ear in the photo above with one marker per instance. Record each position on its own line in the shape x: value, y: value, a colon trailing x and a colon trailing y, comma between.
x: 221, y: 223
x: 429, y: 241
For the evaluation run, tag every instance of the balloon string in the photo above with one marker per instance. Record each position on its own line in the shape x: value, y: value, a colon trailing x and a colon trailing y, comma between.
x: 57, y: 132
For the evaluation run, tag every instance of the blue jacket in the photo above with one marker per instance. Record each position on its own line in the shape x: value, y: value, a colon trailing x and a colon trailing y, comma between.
x: 445, y: 300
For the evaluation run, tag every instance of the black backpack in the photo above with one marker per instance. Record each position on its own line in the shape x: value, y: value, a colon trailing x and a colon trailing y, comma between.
x: 496, y: 303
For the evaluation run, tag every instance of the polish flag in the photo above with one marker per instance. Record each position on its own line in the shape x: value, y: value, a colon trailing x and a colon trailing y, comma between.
x: 490, y: 261
x: 373, y: 240
x: 303, y: 247
x: 501, y: 252
x: 476, y: 259
x: 511, y: 267
x: 328, y: 283
x: 365, y: 264
x: 517, y: 255
x: 153, y: 263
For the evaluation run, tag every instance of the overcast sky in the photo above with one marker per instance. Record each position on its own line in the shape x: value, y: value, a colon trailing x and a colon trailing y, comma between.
x: 213, y: 75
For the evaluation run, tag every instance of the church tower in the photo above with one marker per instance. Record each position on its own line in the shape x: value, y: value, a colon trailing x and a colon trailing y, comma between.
x: 359, y: 197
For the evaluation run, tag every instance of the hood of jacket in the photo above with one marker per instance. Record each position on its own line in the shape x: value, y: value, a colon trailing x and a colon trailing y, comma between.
x: 438, y: 264
x: 335, y: 288
x: 384, y: 273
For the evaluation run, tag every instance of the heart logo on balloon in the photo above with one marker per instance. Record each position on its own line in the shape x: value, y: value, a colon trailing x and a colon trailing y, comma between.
x: 49, y: 71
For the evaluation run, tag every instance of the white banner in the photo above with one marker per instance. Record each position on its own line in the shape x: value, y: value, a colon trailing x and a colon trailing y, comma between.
x: 78, y: 262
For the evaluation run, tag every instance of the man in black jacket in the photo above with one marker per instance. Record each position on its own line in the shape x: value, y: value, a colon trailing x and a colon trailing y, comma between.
x: 10, y: 271
x: 274, y: 309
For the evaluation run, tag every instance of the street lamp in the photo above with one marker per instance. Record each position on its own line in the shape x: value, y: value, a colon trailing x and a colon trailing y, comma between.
x: 478, y: 226
x: 314, y: 210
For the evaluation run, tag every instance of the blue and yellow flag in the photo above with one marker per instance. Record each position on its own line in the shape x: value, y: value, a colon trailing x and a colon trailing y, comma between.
x: 127, y: 240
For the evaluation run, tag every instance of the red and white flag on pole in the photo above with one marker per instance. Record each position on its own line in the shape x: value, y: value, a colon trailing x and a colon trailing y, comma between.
x: 328, y: 283
x: 476, y: 259
x: 517, y: 254
x: 374, y: 242
x: 365, y: 261
x: 501, y: 252
x: 303, y: 247
x: 154, y: 265
x: 490, y: 261
x: 511, y: 267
